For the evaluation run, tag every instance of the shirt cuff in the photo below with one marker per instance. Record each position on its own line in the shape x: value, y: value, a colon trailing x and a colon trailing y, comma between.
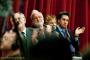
x: 76, y: 38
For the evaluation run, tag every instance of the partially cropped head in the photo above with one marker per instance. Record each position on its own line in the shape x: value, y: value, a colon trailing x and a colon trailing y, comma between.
x: 8, y: 40
x: 20, y: 19
x: 51, y: 20
x: 63, y: 19
x: 37, y: 18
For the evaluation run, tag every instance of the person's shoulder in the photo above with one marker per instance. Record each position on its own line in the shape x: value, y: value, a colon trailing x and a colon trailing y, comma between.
x: 57, y: 28
x: 10, y: 32
x: 29, y: 28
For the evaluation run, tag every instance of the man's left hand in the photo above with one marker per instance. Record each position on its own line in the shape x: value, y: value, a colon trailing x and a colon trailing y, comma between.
x: 79, y: 31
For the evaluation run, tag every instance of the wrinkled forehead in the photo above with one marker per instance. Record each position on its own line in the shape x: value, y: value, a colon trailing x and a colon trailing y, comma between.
x: 36, y: 13
x: 18, y: 15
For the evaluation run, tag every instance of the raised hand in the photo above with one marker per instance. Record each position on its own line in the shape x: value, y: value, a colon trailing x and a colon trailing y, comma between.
x: 34, y: 37
x: 79, y: 31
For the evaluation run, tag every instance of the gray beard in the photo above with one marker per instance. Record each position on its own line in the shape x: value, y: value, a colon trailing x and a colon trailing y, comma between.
x: 36, y: 25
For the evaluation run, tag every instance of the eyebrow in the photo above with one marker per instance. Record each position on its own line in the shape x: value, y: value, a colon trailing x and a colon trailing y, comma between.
x: 65, y: 19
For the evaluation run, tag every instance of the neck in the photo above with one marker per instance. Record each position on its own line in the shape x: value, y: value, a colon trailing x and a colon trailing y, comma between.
x: 21, y: 29
x: 41, y: 27
x: 62, y: 27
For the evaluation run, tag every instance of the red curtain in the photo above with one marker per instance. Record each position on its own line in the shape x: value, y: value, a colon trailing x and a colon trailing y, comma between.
x: 78, y: 9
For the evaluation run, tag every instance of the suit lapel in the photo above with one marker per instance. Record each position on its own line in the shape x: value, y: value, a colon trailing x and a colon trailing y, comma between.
x: 28, y: 36
x: 61, y: 36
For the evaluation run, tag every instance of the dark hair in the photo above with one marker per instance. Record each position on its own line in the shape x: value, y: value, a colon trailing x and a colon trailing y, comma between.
x: 62, y: 13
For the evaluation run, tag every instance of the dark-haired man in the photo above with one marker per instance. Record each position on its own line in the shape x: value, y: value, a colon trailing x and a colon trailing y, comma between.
x: 69, y: 45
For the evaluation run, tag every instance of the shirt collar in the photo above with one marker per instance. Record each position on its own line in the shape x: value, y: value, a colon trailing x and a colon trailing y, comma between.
x: 24, y: 30
x: 60, y: 29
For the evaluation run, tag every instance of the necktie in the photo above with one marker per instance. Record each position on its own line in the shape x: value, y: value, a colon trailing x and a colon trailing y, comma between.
x: 67, y: 35
x: 24, y: 39
x: 24, y: 36
x: 68, y: 38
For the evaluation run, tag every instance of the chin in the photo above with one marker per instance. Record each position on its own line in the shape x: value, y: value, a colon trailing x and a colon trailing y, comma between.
x: 20, y: 26
x: 64, y: 27
x: 35, y: 26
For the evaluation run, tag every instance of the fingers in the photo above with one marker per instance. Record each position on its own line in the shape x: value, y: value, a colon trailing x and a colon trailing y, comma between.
x: 78, y: 28
x: 83, y: 29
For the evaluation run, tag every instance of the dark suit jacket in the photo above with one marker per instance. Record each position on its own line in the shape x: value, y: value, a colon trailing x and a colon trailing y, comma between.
x: 64, y: 46
x: 27, y: 43
x: 46, y: 47
x: 52, y: 47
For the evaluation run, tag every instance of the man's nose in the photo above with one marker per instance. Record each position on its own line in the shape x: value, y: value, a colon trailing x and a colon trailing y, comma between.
x: 65, y: 21
x: 38, y: 19
x: 54, y: 24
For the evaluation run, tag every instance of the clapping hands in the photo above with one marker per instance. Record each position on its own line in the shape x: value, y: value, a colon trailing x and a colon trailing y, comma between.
x: 79, y: 31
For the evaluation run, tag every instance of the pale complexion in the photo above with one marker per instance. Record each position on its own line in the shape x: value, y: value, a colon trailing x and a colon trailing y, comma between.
x: 63, y: 22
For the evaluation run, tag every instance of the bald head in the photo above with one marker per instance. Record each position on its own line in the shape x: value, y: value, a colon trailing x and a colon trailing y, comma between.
x: 20, y: 20
x: 37, y: 18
